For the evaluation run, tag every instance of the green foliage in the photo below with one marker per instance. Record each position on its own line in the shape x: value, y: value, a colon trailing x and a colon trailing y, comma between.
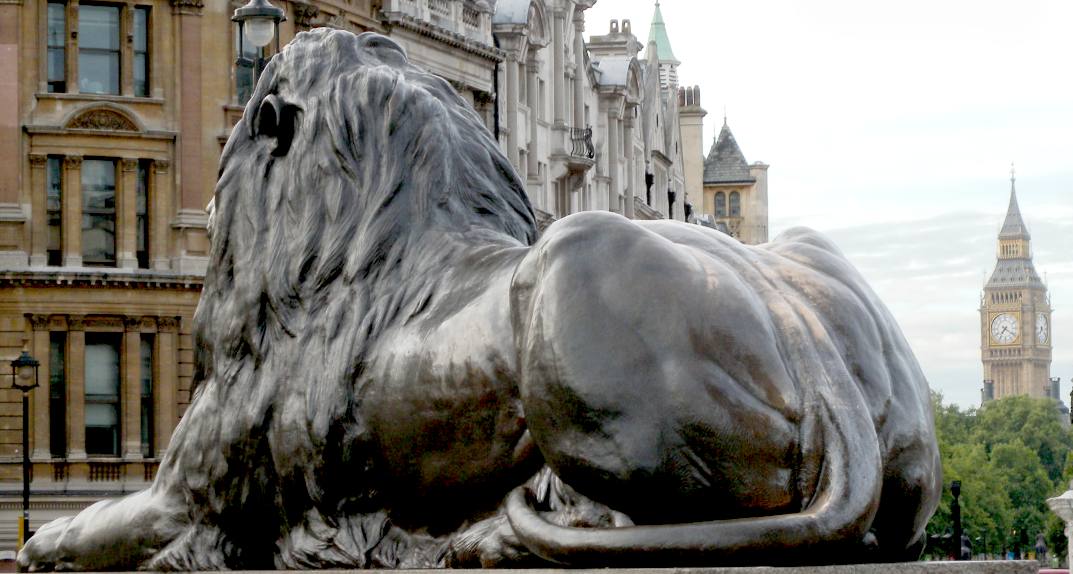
x: 1010, y: 456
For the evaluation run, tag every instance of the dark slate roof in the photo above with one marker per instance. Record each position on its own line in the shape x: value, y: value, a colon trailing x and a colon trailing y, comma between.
x: 1014, y: 272
x: 725, y: 162
x: 1014, y: 227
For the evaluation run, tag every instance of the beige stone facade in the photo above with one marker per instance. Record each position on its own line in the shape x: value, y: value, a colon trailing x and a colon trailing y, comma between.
x: 114, y: 116
x: 1015, y: 318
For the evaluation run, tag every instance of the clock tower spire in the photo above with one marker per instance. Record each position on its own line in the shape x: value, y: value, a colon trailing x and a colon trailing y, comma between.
x: 1015, y: 316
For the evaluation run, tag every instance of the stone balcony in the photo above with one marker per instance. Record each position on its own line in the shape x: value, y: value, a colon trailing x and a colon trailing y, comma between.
x: 468, y: 19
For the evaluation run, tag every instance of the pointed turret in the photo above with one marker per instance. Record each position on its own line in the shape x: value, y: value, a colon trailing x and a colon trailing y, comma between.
x: 1014, y: 226
x: 668, y: 64
x: 725, y: 162
x: 658, y: 33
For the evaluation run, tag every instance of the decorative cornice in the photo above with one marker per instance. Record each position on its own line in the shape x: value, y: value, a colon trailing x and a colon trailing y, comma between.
x: 102, y: 119
x: 190, y: 7
x: 39, y: 322
x: 38, y: 161
x: 451, y: 39
x: 63, y: 277
x: 72, y: 162
x: 129, y: 164
x: 76, y: 323
x: 168, y: 324
x: 132, y: 324
x: 304, y: 15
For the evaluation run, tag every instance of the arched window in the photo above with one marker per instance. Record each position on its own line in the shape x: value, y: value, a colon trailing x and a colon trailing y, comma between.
x: 735, y: 204
x: 720, y: 204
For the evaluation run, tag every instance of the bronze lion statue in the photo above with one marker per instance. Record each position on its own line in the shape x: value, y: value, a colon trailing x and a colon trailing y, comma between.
x: 395, y: 371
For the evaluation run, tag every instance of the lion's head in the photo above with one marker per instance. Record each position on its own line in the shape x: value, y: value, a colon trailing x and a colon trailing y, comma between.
x: 343, y: 182
x: 346, y: 155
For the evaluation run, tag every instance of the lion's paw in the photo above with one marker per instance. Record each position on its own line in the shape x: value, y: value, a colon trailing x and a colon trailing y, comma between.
x: 42, y: 552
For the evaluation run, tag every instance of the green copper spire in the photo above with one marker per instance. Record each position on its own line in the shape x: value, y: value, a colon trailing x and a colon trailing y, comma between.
x: 658, y: 33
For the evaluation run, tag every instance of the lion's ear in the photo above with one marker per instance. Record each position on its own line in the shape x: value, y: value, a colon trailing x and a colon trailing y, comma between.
x: 277, y: 119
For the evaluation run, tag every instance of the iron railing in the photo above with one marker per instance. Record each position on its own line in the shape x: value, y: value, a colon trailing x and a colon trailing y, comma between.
x: 581, y: 143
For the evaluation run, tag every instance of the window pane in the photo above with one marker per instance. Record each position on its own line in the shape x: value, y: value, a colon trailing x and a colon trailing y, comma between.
x: 98, y: 27
x: 98, y: 72
x: 735, y: 204
x: 54, y: 204
x: 141, y: 29
x: 102, y: 368
x: 57, y: 394
x: 141, y: 76
x: 141, y: 213
x: 98, y: 211
x: 56, y: 65
x: 57, y: 24
x: 102, y: 393
x: 147, y: 395
x: 720, y: 204
x: 141, y: 51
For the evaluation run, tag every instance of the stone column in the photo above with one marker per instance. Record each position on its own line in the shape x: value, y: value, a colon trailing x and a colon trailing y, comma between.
x: 38, y: 211
x: 72, y: 211
x: 161, y: 193
x: 76, y: 388
x: 190, y: 164
x: 166, y: 385
x: 130, y: 394
x: 531, y: 89
x: 579, y: 69
x: 126, y: 220
x: 72, y: 48
x: 126, y: 50
x: 10, y: 114
x: 39, y: 396
x: 629, y: 180
x: 614, y: 147
x: 558, y: 74
x: 512, y: 109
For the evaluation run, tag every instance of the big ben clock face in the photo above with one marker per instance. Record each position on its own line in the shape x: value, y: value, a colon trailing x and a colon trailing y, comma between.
x: 1004, y: 328
x: 1041, y: 328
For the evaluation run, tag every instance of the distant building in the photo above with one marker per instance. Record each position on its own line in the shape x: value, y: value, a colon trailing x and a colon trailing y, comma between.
x: 735, y: 193
x: 1015, y: 318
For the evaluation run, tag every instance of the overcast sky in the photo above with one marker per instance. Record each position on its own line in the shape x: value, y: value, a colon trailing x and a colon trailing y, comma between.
x: 892, y: 126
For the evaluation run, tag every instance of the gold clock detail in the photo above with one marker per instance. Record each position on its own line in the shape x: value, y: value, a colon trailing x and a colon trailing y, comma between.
x: 1004, y: 328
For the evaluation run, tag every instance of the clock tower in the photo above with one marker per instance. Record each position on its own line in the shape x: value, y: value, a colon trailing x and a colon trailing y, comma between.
x: 1015, y: 317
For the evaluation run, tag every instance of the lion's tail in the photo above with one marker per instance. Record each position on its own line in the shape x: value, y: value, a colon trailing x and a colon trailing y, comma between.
x: 833, y: 526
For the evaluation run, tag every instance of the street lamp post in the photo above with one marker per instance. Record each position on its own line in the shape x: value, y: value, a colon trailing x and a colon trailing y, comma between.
x: 24, y: 378
x: 258, y: 22
x: 955, y: 517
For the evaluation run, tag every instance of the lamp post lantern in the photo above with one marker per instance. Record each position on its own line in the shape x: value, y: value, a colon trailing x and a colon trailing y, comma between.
x: 24, y: 378
x: 258, y: 23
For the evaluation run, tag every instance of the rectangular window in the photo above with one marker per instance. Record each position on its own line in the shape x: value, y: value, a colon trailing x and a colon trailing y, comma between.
x: 98, y: 49
x: 98, y: 211
x: 102, y: 393
x: 54, y: 209
x: 141, y: 214
x: 247, y: 57
x: 147, y: 395
x: 141, y: 51
x: 57, y: 50
x: 57, y: 394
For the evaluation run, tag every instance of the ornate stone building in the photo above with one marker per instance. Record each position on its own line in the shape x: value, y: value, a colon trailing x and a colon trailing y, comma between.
x: 588, y: 125
x: 1015, y: 318
x: 735, y: 192
x: 115, y: 113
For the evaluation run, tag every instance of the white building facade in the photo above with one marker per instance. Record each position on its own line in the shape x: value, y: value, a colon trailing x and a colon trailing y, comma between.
x: 588, y: 125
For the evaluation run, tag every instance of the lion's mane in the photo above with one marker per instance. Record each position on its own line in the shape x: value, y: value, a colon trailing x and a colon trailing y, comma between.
x: 320, y: 244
